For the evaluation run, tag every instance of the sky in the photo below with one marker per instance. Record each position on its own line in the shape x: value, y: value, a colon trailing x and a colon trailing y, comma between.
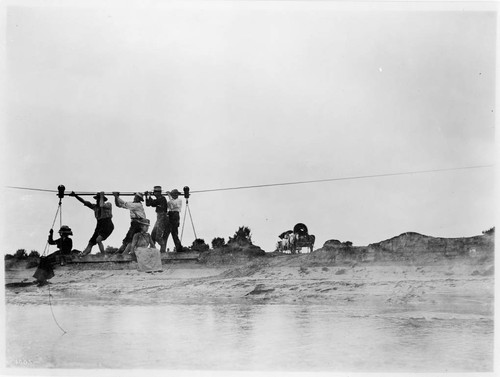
x: 107, y: 96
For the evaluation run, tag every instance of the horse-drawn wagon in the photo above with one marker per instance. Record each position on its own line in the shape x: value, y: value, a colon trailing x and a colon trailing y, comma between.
x: 292, y: 241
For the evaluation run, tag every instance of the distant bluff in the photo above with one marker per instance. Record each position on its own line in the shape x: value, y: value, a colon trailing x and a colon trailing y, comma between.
x: 410, y: 243
x: 411, y: 246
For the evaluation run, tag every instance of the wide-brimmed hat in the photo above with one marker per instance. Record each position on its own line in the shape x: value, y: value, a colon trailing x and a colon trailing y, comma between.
x: 157, y: 188
x: 144, y: 222
x: 66, y: 230
x: 175, y: 193
x: 140, y: 196
x: 97, y: 197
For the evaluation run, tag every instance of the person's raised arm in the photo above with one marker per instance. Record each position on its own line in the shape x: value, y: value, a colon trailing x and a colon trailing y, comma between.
x: 117, y: 199
x: 74, y: 195
x: 84, y: 202
x: 51, y: 239
x: 150, y: 202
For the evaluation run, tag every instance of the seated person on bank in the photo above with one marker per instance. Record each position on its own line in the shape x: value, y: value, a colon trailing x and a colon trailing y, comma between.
x: 143, y: 247
x: 142, y: 238
x: 45, y: 271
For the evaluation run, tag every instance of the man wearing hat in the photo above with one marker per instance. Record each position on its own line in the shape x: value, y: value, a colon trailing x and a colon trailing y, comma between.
x: 136, y: 214
x: 159, y: 229
x: 103, y: 215
x: 174, y: 207
x: 64, y: 244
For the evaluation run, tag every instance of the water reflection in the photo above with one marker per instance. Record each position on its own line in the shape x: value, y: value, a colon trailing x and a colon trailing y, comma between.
x: 244, y: 337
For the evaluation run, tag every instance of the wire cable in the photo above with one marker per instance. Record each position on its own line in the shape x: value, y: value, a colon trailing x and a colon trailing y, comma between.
x: 301, y: 182
x: 341, y: 179
x: 29, y: 188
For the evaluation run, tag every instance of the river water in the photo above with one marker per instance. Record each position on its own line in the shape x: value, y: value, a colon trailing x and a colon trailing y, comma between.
x: 246, y: 337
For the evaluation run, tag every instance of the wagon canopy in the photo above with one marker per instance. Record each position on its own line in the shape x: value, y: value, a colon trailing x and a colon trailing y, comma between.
x: 300, y: 229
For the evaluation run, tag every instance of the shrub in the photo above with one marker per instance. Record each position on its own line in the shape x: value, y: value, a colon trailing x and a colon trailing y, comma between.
x: 218, y: 242
x: 199, y: 245
x: 8, y: 257
x: 489, y: 231
x: 242, y: 235
x: 111, y: 250
x: 34, y: 254
x: 20, y: 254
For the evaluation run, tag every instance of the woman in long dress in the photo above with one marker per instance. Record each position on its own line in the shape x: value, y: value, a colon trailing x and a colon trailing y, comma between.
x: 148, y: 257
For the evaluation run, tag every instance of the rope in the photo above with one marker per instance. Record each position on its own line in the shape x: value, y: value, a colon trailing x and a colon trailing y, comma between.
x: 59, y: 211
x: 59, y: 206
x: 191, y: 217
x: 52, y: 311
x: 60, y: 214
x: 184, y: 221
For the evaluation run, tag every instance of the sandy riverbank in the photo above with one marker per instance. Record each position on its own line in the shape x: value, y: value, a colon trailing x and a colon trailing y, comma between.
x: 461, y: 287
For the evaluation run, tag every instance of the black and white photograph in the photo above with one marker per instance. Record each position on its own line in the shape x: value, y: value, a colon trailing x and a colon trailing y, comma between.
x: 248, y: 187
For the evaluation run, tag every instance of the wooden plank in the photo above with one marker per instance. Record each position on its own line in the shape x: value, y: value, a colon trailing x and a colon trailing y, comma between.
x: 77, y: 261
x: 187, y: 256
x: 180, y: 256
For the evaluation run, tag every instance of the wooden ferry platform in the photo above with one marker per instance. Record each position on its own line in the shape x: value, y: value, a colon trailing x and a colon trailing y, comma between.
x: 114, y: 258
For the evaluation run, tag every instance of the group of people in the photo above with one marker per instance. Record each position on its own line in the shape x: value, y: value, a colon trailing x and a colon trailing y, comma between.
x: 167, y: 222
x: 167, y: 219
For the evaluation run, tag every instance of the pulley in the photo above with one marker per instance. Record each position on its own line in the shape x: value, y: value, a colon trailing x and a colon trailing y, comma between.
x: 60, y: 191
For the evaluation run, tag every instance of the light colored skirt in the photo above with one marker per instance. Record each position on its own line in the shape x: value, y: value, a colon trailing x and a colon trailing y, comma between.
x: 148, y: 259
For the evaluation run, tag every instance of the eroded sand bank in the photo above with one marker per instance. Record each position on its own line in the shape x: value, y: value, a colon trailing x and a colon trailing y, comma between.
x: 457, y: 288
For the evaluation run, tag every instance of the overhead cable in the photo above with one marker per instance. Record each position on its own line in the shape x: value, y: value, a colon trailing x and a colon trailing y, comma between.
x: 291, y: 183
x: 341, y: 179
